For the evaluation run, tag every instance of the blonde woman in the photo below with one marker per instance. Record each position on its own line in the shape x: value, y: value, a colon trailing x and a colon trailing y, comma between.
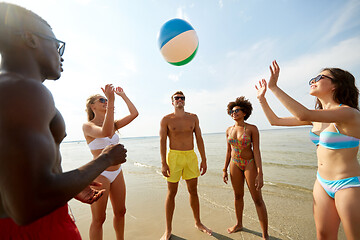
x: 99, y: 132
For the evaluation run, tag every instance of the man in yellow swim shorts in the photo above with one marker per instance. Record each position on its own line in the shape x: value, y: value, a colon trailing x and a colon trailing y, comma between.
x: 181, y: 160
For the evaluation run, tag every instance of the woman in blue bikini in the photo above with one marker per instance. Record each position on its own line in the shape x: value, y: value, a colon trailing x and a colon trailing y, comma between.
x: 99, y: 132
x: 336, y: 133
x: 243, y: 156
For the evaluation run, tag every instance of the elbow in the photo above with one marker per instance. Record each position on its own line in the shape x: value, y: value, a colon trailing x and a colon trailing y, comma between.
x: 136, y: 114
x: 303, y: 116
x: 108, y: 134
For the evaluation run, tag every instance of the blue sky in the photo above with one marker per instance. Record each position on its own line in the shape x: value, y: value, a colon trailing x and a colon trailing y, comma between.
x: 111, y: 41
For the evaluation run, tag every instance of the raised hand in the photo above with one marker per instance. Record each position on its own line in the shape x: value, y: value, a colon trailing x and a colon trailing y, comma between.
x: 89, y: 194
x: 275, y: 70
x: 116, y: 153
x: 108, y: 90
x: 119, y: 91
x: 261, y: 90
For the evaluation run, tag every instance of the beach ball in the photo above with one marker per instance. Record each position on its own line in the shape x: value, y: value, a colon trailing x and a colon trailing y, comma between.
x: 178, y: 42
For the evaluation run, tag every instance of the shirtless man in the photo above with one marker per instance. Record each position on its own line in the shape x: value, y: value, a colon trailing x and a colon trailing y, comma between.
x: 181, y: 161
x: 33, y: 189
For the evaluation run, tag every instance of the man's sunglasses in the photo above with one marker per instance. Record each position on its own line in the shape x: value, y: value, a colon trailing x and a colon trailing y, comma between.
x: 179, y: 97
x: 235, y: 111
x: 318, y: 78
x: 60, y: 44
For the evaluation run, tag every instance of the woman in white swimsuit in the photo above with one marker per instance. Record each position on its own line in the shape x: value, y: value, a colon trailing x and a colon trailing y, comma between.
x: 99, y: 132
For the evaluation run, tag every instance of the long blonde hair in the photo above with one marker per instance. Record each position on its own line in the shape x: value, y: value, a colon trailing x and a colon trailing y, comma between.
x: 89, y: 101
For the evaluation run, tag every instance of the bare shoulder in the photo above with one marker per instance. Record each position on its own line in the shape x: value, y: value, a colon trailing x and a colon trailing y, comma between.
x: 229, y: 128
x: 87, y: 126
x: 168, y: 117
x: 26, y: 97
x: 252, y: 127
x: 192, y: 115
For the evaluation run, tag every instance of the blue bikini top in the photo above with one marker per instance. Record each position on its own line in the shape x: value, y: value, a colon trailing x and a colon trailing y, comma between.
x: 334, y: 140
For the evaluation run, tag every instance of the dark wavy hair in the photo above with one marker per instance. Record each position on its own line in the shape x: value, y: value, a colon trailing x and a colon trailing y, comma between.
x: 243, y: 103
x: 346, y: 91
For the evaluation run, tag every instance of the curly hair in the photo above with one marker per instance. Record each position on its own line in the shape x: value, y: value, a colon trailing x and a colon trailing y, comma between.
x: 89, y: 101
x: 346, y: 91
x: 243, y: 103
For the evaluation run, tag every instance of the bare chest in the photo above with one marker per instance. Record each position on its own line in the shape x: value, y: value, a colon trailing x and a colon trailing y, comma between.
x: 181, y: 126
x: 57, y: 128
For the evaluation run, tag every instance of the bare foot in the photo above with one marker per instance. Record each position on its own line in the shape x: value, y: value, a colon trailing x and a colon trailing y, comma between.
x: 234, y: 229
x: 166, y: 236
x: 266, y: 237
x: 204, y: 229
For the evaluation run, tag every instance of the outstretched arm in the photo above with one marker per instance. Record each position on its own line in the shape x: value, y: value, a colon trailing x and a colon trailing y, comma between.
x: 31, y: 180
x: 303, y: 114
x: 270, y: 115
x: 132, y: 109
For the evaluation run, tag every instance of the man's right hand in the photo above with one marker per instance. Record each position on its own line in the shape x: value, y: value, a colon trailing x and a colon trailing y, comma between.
x: 116, y: 154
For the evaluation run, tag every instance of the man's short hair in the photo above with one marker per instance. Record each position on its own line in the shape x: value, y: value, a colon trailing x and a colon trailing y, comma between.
x: 14, y: 18
x: 177, y: 93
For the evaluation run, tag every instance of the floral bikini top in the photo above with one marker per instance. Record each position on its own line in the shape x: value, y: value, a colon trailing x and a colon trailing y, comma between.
x: 237, y: 144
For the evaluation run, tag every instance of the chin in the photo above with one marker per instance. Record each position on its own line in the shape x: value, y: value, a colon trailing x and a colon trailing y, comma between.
x: 54, y: 76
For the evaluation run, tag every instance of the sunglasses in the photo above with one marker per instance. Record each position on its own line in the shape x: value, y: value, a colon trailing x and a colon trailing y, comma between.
x: 102, y: 100
x: 318, y: 78
x: 60, y: 44
x: 179, y: 97
x: 235, y: 111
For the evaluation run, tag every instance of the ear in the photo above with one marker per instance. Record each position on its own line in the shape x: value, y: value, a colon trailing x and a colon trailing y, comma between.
x: 30, y: 40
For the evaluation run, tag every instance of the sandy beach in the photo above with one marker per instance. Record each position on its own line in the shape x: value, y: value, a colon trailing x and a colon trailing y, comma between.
x: 290, y: 212
x: 289, y: 174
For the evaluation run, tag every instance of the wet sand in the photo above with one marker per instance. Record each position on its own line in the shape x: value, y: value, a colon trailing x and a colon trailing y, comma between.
x: 289, y: 211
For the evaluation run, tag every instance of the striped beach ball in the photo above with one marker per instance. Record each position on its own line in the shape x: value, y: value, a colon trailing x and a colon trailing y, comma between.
x: 178, y: 42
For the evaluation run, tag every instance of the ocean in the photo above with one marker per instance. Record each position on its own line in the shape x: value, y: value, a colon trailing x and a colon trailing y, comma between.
x: 288, y: 156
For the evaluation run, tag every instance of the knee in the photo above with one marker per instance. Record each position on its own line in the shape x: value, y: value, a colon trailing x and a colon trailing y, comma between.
x: 120, y: 213
x: 171, y: 194
x: 193, y: 192
x: 258, y: 202
x: 239, y: 196
x: 99, y: 220
x: 324, y: 235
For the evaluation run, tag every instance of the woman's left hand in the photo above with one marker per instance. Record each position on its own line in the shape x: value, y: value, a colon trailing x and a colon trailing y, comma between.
x: 119, y: 91
x: 259, y: 182
x: 275, y: 70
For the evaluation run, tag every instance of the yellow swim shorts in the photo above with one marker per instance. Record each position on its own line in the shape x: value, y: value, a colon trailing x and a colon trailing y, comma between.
x: 182, y: 164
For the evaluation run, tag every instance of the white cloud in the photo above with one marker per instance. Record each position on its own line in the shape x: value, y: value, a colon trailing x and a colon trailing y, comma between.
x: 347, y: 19
x: 175, y: 77
x: 221, y: 3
